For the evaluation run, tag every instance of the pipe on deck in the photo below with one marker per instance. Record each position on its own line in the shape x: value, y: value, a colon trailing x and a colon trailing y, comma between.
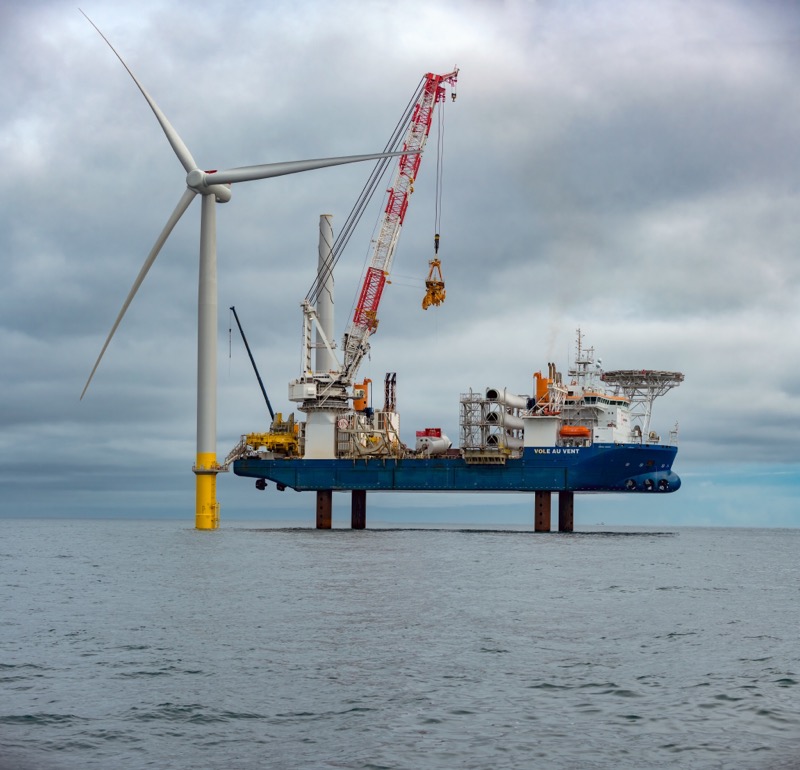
x: 502, y: 396
x: 507, y: 420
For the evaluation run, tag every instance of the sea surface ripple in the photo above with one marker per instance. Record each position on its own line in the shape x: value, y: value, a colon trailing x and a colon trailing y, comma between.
x: 151, y: 645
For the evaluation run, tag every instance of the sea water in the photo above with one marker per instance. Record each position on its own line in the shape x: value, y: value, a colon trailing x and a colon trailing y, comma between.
x: 141, y: 644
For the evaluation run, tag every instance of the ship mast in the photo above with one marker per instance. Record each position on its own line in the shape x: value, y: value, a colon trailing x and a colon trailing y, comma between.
x: 584, y: 368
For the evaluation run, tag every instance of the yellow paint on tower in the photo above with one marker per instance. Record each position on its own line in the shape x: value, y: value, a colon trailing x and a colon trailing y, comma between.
x: 207, y: 507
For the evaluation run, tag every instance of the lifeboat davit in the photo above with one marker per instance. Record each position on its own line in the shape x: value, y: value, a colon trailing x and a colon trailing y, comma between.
x: 574, y: 431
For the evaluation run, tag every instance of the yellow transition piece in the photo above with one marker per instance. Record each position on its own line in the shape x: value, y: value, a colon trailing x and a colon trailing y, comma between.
x: 207, y: 507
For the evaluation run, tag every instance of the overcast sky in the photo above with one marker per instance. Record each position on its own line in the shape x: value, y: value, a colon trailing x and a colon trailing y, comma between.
x: 629, y: 168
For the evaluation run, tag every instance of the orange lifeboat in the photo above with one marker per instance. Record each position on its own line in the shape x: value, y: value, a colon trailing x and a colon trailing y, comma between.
x: 574, y: 431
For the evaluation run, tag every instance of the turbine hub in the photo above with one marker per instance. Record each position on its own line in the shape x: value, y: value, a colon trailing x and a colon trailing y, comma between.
x: 197, y: 180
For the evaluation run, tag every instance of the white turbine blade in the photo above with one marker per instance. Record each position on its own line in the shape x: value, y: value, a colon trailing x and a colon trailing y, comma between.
x: 181, y: 150
x: 183, y: 204
x: 250, y: 173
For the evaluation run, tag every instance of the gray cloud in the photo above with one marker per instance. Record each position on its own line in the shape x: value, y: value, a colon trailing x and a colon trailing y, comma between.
x: 627, y: 167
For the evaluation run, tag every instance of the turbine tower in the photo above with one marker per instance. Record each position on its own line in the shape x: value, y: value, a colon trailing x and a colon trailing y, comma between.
x: 214, y: 187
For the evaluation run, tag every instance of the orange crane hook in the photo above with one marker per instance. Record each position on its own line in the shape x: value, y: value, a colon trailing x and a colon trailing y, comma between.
x: 434, y: 284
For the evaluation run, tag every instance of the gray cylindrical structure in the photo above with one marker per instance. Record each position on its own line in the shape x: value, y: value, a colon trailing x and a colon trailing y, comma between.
x: 507, y: 420
x: 207, y: 331
x: 504, y: 441
x: 502, y: 396
x: 324, y: 360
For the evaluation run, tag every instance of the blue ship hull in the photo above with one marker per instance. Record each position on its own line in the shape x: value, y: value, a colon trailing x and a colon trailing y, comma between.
x: 597, y: 468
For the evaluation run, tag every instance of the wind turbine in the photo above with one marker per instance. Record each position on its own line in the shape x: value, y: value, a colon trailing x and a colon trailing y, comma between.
x: 214, y: 187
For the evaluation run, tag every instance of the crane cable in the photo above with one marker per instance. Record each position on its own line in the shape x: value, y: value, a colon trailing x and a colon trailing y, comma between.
x: 434, y: 283
x: 439, y: 172
x: 366, y: 195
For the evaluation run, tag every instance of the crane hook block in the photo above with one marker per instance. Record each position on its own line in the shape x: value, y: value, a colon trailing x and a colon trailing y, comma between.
x: 434, y: 285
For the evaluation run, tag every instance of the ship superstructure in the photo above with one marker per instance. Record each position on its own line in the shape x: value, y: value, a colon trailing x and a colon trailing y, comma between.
x: 567, y: 435
x: 574, y: 413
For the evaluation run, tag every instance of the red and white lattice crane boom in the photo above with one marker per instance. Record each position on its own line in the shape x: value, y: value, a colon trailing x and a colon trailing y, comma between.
x: 365, y: 318
x: 324, y: 390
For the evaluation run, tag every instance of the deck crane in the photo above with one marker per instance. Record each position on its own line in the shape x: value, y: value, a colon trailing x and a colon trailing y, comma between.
x: 328, y: 392
x: 365, y: 318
